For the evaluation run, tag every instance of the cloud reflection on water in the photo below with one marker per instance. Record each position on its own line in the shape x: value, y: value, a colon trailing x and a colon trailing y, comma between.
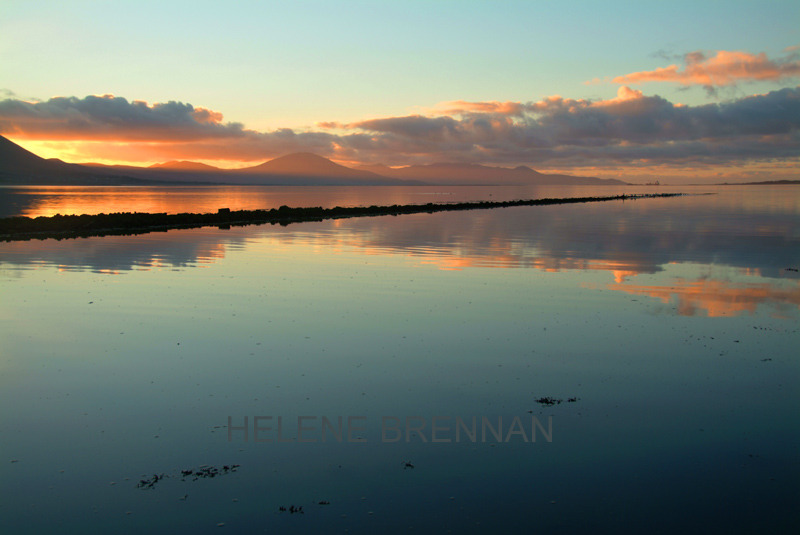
x: 718, y: 298
x: 625, y: 240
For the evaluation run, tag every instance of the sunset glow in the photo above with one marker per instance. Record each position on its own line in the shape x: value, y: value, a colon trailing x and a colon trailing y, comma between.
x: 400, y: 266
x: 720, y: 107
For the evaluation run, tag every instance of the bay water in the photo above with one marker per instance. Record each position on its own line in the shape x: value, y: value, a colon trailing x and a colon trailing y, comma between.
x: 611, y: 367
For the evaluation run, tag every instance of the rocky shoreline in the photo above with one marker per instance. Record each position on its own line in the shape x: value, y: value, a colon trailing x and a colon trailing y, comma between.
x: 125, y: 223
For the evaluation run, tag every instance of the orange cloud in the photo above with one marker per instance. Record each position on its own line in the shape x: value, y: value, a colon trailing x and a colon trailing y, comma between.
x: 722, y: 69
x: 331, y: 125
x: 204, y: 116
x: 624, y: 94
x: 462, y: 107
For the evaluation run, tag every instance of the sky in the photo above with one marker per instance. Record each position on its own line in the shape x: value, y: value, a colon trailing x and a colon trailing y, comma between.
x: 682, y: 91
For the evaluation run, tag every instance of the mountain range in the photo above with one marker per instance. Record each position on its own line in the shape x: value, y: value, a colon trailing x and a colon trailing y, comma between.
x: 23, y: 168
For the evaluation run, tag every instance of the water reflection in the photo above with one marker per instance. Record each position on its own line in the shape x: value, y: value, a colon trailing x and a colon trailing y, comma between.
x: 109, y: 379
x: 118, y: 254
x: 717, y: 298
x: 37, y: 201
x: 625, y: 240
x: 34, y: 201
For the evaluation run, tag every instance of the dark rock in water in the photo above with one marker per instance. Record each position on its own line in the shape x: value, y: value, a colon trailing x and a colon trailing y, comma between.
x: 203, y: 472
x: 211, y: 471
x: 292, y: 509
x: 150, y: 482
x: 549, y: 401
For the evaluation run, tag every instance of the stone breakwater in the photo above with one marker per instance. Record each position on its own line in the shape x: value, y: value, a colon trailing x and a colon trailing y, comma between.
x: 124, y: 223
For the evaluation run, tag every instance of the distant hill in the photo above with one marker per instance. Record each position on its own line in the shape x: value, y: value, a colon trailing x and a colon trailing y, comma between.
x: 183, y: 165
x: 764, y: 183
x: 473, y: 174
x: 21, y: 167
x: 306, y: 166
x: 15, y: 158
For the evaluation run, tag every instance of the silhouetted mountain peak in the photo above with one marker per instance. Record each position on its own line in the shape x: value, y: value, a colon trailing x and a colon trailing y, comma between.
x: 14, y: 157
x: 303, y: 159
x: 302, y: 156
x: 21, y: 166
x: 184, y: 165
x: 307, y: 164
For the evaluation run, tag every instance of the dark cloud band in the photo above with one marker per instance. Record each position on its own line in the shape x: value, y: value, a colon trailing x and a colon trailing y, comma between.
x: 631, y: 129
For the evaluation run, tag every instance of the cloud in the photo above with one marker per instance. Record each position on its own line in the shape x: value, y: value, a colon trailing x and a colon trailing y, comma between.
x: 414, y: 126
x: 624, y: 94
x: 112, y: 127
x: 724, y: 68
x: 631, y: 130
x: 108, y: 117
x: 461, y: 107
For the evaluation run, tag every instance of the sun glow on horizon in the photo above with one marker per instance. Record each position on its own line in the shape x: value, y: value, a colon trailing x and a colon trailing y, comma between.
x: 123, y: 153
x: 102, y: 152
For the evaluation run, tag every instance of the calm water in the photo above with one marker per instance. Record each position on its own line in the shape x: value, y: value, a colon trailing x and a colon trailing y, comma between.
x: 672, y: 323
x: 36, y: 201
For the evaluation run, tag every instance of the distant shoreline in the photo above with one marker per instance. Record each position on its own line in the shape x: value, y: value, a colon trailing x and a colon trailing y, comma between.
x: 22, y: 228
x: 765, y: 183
